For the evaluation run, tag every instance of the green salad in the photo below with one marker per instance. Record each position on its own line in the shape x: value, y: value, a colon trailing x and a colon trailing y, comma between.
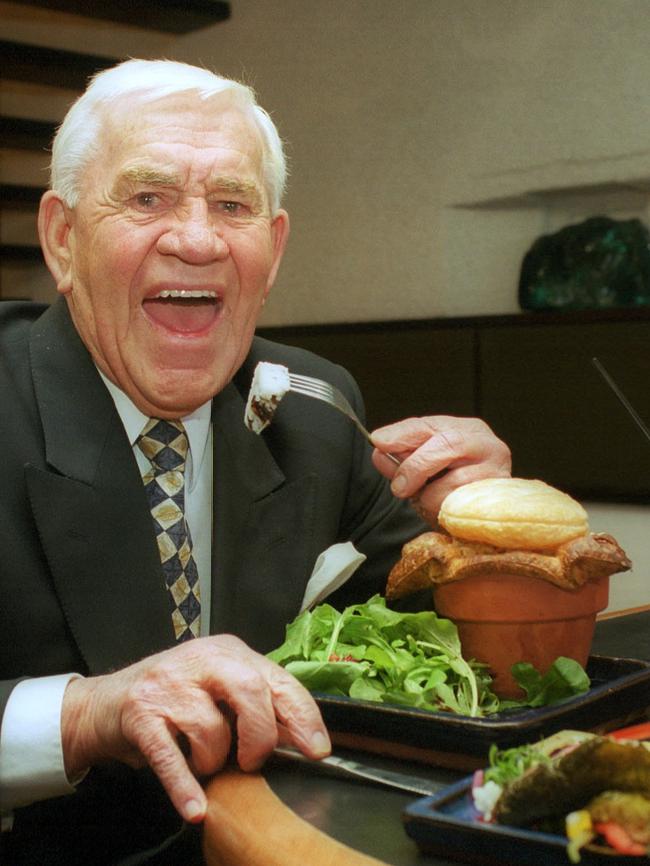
x: 372, y: 653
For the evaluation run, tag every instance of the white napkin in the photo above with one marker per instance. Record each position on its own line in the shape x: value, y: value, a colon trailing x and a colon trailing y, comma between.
x: 333, y: 567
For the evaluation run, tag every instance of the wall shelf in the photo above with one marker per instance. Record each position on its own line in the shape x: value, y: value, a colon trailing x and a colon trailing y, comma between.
x: 36, y: 64
x: 23, y: 134
x: 171, y: 16
x: 20, y: 197
x: 48, y: 67
x: 25, y: 253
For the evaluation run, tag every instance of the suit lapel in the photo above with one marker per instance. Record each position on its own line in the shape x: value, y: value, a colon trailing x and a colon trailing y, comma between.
x: 263, y: 531
x: 90, y: 507
x: 94, y: 521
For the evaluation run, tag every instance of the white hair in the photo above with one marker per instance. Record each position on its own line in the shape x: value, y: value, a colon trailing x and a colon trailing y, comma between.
x: 76, y: 142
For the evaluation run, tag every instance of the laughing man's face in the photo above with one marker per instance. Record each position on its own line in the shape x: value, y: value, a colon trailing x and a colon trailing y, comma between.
x: 172, y: 249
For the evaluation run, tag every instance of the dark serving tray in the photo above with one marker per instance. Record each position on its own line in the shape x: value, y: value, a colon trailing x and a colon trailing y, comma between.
x: 619, y: 694
x: 447, y: 825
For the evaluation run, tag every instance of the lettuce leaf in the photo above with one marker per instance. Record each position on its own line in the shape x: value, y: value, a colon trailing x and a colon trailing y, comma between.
x: 370, y: 652
x: 565, y: 679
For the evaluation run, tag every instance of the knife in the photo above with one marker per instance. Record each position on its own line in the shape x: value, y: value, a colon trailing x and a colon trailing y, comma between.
x: 337, y: 766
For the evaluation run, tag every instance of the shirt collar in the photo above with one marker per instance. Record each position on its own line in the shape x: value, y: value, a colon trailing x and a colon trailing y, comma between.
x: 197, y: 426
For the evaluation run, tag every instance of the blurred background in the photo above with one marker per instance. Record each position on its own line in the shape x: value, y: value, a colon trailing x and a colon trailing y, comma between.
x: 431, y: 142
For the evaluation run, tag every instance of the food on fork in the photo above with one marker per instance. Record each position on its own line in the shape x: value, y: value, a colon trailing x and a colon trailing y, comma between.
x: 511, y: 526
x: 270, y: 384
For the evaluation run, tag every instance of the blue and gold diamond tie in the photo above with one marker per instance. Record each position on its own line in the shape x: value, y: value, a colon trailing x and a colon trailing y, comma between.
x: 165, y: 444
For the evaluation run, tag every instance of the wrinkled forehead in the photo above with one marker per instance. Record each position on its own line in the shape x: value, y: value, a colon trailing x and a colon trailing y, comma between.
x: 181, y: 119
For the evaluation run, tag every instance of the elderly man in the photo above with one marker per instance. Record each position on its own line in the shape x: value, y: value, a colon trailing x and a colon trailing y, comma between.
x: 138, y: 512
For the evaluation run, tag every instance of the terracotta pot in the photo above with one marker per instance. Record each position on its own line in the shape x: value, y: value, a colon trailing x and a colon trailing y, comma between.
x: 506, y: 619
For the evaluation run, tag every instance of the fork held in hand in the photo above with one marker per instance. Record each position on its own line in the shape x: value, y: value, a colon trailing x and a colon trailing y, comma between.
x: 308, y: 386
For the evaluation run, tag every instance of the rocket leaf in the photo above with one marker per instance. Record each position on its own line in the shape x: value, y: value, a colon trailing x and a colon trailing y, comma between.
x: 370, y: 652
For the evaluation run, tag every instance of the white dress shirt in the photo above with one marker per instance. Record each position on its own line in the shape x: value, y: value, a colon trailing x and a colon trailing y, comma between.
x: 31, y: 754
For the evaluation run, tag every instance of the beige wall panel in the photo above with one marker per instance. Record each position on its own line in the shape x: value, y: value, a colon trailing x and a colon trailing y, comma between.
x: 20, y: 280
x: 26, y: 167
x: 394, y: 112
x: 18, y: 227
x: 35, y: 101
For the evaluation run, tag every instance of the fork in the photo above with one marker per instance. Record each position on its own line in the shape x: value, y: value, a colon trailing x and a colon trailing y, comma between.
x: 309, y: 386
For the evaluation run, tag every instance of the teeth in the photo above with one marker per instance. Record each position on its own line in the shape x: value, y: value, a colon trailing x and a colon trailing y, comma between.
x: 185, y: 293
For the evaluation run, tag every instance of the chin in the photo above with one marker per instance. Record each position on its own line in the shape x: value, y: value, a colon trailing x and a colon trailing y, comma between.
x: 184, y: 392
x: 178, y: 405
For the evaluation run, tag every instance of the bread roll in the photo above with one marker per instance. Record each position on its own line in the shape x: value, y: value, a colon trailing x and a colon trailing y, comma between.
x: 514, y: 513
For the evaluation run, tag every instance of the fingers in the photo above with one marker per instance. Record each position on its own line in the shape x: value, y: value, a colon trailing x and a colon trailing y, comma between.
x: 446, y: 447
x: 165, y: 758
x: 298, y: 715
x: 427, y: 501
x: 404, y: 435
x: 208, y: 735
x: 192, y: 694
x: 264, y: 697
x: 163, y: 707
x: 440, y: 453
x: 246, y: 691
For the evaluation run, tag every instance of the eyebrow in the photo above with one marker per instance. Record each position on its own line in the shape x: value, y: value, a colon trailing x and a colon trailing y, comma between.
x: 217, y: 183
x: 156, y: 177
x: 223, y: 183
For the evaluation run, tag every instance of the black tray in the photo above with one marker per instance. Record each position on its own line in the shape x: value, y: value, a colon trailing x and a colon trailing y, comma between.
x: 447, y: 825
x: 619, y: 694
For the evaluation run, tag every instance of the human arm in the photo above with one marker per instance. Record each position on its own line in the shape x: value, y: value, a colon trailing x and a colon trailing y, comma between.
x: 439, y: 453
x: 190, y: 695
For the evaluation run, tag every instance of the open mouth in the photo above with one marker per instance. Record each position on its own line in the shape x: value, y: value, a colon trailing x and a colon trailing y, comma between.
x: 186, y: 311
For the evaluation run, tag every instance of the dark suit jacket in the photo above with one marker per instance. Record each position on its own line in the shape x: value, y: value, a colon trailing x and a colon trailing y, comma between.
x: 80, y: 576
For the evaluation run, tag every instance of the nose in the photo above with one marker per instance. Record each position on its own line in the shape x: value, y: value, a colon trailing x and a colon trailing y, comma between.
x: 193, y: 236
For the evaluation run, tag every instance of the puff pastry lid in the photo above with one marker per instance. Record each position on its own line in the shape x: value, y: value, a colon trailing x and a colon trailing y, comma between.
x: 434, y: 558
x: 514, y: 526
x: 513, y: 513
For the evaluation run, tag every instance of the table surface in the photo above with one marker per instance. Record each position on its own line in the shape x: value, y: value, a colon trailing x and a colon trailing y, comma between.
x: 368, y: 817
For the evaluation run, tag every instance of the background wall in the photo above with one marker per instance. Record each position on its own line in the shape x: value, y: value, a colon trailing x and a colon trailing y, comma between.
x: 430, y: 142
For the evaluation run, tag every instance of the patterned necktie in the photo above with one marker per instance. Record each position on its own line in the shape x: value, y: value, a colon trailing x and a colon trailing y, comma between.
x: 165, y: 444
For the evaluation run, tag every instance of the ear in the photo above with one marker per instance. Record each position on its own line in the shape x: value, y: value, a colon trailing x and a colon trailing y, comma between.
x: 54, y: 225
x: 279, y: 238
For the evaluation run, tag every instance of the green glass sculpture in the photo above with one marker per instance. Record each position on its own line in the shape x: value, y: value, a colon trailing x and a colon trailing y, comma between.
x: 596, y: 264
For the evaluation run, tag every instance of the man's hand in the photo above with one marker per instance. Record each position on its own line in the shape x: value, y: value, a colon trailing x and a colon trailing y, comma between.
x: 181, y: 703
x: 439, y: 453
